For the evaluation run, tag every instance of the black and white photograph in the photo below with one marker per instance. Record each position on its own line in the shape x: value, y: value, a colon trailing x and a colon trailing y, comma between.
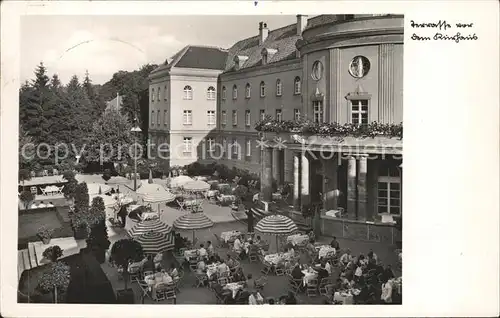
x: 259, y: 165
x: 248, y: 153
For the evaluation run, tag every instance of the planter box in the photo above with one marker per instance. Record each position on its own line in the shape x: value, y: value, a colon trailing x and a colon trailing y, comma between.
x: 80, y: 233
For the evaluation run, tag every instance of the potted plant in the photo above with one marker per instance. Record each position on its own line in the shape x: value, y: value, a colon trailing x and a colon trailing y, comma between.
x: 97, y: 240
x: 122, y: 252
x: 55, y: 280
x: 45, y: 234
x: 53, y: 253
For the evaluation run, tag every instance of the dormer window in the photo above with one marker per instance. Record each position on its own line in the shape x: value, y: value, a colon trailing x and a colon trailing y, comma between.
x: 239, y: 61
x: 267, y: 54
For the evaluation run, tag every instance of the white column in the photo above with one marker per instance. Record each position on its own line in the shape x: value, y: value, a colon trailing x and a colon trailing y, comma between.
x: 296, y: 180
x: 305, y: 196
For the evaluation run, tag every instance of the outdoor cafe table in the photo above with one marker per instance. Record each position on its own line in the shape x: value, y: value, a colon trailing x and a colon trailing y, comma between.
x: 190, y: 254
x: 212, y: 269
x: 227, y: 197
x: 277, y: 196
x: 346, y: 297
x: 154, y: 280
x: 324, y: 250
x: 277, y: 257
x: 297, y: 238
x: 234, y: 287
x: 212, y: 193
x: 229, y: 235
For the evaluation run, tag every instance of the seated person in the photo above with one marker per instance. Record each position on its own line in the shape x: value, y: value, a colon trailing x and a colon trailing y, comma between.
x: 257, y: 240
x: 346, y: 258
x: 201, y: 267
x: 239, y: 276
x: 252, y: 248
x: 210, y: 248
x: 388, y: 273
x: 173, y: 271
x: 238, y: 247
x: 328, y: 267
x: 290, y: 299
x: 270, y: 301
x: 222, y: 268
x: 291, y: 251
x: 335, y: 244
x: 230, y: 261
x: 386, y: 295
x: 203, y: 252
x: 255, y: 298
x: 211, y: 260
x: 322, y: 273
x: 372, y: 256
x: 297, y: 272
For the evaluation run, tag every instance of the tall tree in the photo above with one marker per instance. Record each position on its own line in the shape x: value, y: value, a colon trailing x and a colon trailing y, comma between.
x: 80, y: 106
x: 98, y: 104
x: 112, y: 132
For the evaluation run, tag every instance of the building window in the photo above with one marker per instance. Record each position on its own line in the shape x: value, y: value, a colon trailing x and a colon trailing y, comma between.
x: 223, y: 92
x: 248, y: 148
x: 187, y: 117
x: 210, y: 145
x: 152, y: 94
x: 211, y: 93
x: 224, y: 145
x: 247, y: 117
x: 224, y: 118
x: 235, y: 147
x: 158, y: 94
x: 211, y: 117
x: 188, y: 92
x: 158, y: 117
x: 359, y: 66
x: 296, y: 86
x: 165, y: 118
x: 235, y: 92
x: 262, y: 114
x: 264, y: 58
x: 152, y: 118
x: 317, y: 71
x: 165, y: 92
x: 279, y: 114
x: 296, y: 114
x: 389, y: 192
x: 248, y: 91
x: 262, y: 89
x: 359, y: 112
x: 279, y: 87
x: 318, y: 114
x: 188, y: 144
x: 235, y: 118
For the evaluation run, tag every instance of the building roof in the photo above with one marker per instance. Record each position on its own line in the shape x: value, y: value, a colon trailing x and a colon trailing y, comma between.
x: 196, y: 56
x: 283, y: 40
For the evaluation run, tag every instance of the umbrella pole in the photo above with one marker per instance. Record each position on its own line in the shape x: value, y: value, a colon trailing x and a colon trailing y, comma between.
x: 277, y: 247
x: 193, y: 237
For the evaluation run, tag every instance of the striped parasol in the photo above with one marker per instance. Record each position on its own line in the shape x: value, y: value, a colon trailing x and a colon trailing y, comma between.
x: 156, y: 242
x: 278, y: 225
x: 193, y: 222
x: 150, y: 226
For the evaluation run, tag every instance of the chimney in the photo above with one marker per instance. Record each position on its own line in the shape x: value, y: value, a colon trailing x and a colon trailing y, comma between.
x: 263, y: 32
x: 301, y: 23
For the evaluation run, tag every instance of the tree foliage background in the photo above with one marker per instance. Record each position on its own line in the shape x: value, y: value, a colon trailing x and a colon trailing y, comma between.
x: 53, y: 113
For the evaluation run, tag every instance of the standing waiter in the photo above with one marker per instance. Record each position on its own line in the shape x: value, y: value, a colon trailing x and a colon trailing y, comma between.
x: 250, y: 219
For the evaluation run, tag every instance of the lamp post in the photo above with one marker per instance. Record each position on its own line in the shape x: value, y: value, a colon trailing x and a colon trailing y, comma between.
x: 135, y: 130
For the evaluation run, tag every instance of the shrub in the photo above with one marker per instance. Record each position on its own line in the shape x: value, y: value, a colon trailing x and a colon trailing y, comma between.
x: 58, y: 276
x: 123, y: 251
x: 53, y: 253
x: 44, y: 232
x: 26, y: 197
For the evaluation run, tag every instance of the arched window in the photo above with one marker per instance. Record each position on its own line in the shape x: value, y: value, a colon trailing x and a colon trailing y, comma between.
x: 279, y: 87
x: 188, y: 92
x: 223, y: 92
x: 165, y: 93
x: 158, y: 94
x: 248, y: 91
x: 152, y: 94
x: 262, y: 89
x: 235, y: 92
x: 211, y: 93
x: 296, y: 85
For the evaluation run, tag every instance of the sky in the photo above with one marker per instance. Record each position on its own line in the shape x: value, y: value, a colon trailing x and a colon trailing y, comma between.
x: 103, y: 45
